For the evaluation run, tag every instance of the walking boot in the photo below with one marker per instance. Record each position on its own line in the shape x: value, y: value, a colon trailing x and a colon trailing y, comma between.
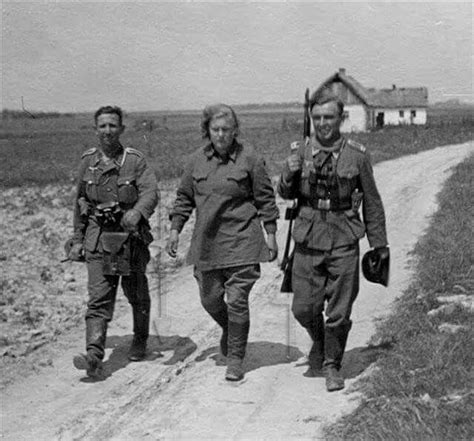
x: 222, y: 319
x: 89, y: 363
x: 96, y: 329
x: 334, y: 379
x: 234, y: 371
x: 335, y: 344
x: 141, y: 323
x: 237, y: 341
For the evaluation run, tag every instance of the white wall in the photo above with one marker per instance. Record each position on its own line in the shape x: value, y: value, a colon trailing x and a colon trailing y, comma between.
x: 356, y: 120
x: 392, y: 116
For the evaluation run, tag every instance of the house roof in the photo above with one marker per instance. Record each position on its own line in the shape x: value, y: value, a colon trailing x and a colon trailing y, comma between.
x: 400, y: 97
x: 394, y: 97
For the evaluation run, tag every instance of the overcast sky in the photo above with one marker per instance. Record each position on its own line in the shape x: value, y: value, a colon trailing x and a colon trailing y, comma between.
x: 71, y: 56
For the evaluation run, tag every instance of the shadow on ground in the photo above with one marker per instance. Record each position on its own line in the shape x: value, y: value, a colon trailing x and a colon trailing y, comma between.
x: 259, y: 354
x: 264, y: 353
x: 357, y: 360
x: 182, y: 348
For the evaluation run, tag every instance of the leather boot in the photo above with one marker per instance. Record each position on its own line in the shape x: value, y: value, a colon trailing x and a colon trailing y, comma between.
x: 334, y: 379
x: 235, y: 371
x: 335, y: 344
x: 316, y: 353
x: 141, y: 324
x: 237, y: 341
x: 221, y: 318
x: 89, y: 363
x: 96, y: 331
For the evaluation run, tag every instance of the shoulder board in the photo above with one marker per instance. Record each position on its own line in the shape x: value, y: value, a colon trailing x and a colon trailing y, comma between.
x: 133, y: 151
x: 89, y: 152
x: 356, y: 146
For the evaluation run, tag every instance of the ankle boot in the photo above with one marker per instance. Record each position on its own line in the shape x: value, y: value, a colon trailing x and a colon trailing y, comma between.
x: 141, y: 323
x: 221, y: 318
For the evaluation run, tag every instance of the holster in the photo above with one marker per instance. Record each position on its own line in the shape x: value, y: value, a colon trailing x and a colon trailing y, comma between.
x: 116, y: 253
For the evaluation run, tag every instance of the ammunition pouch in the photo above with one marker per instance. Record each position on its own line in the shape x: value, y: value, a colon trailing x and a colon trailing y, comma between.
x: 116, y: 253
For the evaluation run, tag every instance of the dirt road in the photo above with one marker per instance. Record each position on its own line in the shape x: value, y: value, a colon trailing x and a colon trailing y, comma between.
x: 179, y: 392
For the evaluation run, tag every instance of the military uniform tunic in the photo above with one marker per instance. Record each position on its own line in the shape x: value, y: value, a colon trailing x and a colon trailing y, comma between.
x: 129, y: 181
x: 231, y: 197
x: 327, y: 230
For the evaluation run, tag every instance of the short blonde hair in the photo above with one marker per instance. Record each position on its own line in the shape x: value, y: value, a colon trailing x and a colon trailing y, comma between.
x: 217, y: 111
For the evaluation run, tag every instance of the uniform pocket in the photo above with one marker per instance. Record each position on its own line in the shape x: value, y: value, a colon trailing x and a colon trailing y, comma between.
x: 127, y: 190
x: 90, y: 182
x: 240, y: 181
x: 347, y: 183
x: 303, y: 224
x: 200, y: 181
x: 356, y: 226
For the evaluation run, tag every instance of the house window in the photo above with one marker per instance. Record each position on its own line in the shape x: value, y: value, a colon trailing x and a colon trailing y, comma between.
x: 413, y: 113
x: 401, y: 113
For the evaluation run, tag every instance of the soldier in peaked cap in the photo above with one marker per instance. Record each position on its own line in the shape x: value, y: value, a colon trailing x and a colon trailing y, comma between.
x: 330, y: 176
x: 117, y: 193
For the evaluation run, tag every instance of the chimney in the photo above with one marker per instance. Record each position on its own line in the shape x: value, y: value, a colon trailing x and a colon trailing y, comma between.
x: 342, y: 70
x: 394, y: 86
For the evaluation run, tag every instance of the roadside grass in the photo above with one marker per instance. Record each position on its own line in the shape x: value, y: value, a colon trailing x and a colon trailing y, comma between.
x: 422, y: 388
x: 47, y: 150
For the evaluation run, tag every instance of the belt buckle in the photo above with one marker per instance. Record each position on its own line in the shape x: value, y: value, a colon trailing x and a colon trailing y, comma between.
x: 324, y: 204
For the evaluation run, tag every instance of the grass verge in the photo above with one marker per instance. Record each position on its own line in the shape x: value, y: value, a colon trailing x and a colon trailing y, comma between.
x: 422, y: 388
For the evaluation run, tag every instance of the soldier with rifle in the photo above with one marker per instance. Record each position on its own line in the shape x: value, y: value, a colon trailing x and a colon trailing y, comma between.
x: 330, y: 176
x: 117, y: 192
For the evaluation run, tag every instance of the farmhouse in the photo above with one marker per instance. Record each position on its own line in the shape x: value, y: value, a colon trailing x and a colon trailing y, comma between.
x: 366, y: 109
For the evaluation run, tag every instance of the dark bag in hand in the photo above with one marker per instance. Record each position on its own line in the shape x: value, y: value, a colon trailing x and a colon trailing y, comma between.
x: 116, y: 253
x: 287, y: 269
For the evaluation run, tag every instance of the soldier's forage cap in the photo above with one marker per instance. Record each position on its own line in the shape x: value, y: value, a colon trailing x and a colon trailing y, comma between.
x: 376, y: 269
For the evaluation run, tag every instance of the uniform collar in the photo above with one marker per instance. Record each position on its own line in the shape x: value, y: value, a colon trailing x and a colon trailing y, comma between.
x: 111, y: 163
x: 335, y: 149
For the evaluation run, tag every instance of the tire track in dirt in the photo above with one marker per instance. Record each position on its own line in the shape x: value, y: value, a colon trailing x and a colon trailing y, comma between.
x: 189, y: 399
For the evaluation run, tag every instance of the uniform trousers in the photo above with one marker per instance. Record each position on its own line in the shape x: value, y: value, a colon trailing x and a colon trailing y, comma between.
x: 224, y: 294
x: 328, y: 277
x: 102, y: 290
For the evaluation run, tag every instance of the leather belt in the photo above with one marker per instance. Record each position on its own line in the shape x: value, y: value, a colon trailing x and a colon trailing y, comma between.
x: 326, y: 205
